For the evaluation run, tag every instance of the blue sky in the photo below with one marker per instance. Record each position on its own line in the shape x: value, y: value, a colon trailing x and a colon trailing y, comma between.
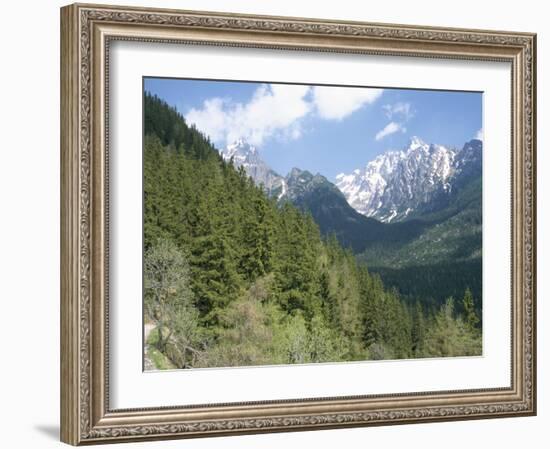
x: 323, y: 129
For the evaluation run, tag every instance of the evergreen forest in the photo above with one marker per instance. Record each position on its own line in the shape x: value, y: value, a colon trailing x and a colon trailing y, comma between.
x: 232, y: 278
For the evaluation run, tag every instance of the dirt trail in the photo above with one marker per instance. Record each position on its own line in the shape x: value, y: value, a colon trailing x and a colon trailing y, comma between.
x: 147, y: 362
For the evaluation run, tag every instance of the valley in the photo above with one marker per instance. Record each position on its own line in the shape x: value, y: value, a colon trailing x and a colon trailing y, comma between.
x: 414, y: 216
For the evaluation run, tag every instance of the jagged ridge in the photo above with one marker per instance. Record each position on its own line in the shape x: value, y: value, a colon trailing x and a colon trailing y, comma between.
x: 402, y: 184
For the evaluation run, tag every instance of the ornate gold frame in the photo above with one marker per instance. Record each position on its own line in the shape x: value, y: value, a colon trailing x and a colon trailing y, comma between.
x: 86, y: 31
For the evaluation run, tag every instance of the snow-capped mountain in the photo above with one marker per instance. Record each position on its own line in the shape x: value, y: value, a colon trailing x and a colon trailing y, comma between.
x: 247, y: 156
x: 395, y: 186
x: 398, y: 184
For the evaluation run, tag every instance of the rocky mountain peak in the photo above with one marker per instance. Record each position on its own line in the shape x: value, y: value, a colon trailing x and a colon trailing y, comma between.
x: 396, y: 184
x: 241, y: 152
x: 416, y: 143
x: 247, y: 156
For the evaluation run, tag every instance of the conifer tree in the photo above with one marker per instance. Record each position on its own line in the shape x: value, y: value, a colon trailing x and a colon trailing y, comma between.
x: 418, y: 329
x: 257, y: 248
x: 215, y: 280
x: 470, y: 314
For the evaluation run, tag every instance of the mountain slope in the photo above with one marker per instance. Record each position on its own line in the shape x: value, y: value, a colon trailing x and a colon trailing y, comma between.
x: 444, y: 258
x: 334, y: 216
x: 453, y: 233
x: 328, y: 207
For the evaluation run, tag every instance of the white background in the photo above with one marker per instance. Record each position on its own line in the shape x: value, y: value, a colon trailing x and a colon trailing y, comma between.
x: 29, y: 224
x: 132, y: 388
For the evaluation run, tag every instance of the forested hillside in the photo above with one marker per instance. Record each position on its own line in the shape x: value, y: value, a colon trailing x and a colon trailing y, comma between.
x: 232, y: 279
x: 443, y: 258
x: 432, y: 251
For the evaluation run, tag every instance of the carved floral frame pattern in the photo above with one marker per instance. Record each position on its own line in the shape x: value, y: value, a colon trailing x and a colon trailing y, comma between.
x: 85, y: 415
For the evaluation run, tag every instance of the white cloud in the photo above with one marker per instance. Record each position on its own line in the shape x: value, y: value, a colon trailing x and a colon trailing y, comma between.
x: 276, y: 110
x: 273, y: 110
x: 336, y: 103
x: 211, y: 119
x: 401, y: 110
x: 390, y: 128
x: 398, y: 114
x: 479, y: 134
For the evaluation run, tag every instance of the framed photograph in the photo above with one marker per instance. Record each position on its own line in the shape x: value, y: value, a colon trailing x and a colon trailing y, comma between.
x: 278, y: 224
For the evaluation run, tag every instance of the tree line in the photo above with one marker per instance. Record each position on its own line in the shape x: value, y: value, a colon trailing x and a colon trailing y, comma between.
x: 231, y: 278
